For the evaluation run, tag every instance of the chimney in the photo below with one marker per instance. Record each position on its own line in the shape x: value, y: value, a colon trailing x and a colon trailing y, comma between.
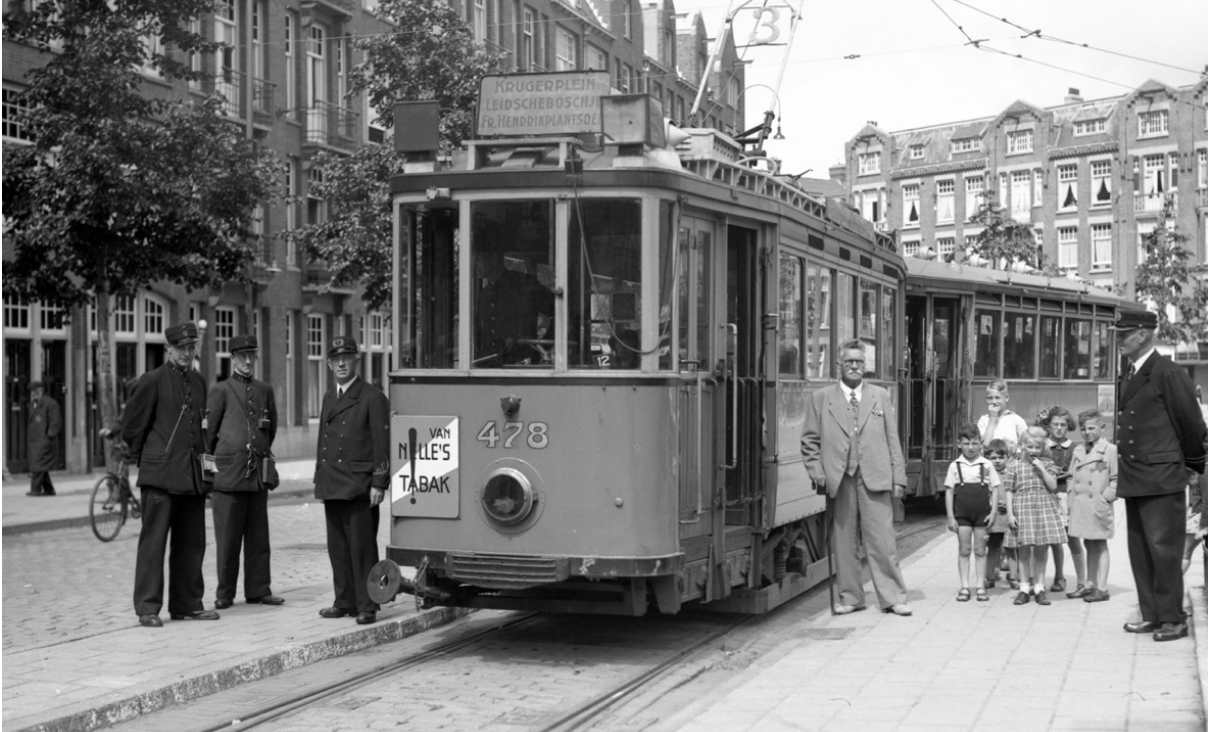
x: 1073, y: 96
x: 872, y: 122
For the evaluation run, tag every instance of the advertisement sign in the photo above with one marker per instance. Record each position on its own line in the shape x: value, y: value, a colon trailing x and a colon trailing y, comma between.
x: 424, y: 465
x: 565, y: 103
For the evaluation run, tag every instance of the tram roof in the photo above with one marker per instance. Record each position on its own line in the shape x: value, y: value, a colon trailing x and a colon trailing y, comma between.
x: 955, y: 275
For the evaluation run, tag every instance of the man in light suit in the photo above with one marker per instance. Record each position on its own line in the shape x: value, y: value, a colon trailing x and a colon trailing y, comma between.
x: 351, y: 477
x: 851, y: 449
x: 1160, y: 440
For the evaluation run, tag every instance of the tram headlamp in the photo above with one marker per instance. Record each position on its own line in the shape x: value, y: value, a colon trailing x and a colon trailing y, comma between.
x: 508, y: 496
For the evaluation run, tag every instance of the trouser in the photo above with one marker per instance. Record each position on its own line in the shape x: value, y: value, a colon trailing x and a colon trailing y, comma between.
x: 352, y: 528
x: 39, y: 482
x: 861, y: 513
x: 1156, y: 525
x: 241, y: 522
x: 184, y: 517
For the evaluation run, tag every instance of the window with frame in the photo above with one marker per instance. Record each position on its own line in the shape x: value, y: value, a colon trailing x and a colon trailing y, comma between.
x: 788, y: 346
x: 596, y: 60
x: 154, y: 47
x: 1090, y: 127
x: 945, y: 200
x: 124, y: 315
x: 291, y: 69
x: 866, y: 300
x: 1021, y: 195
x: 1077, y: 361
x: 566, y: 53
x: 967, y: 144
x: 945, y: 245
x: 627, y: 18
x: 970, y: 242
x: 1101, y: 246
x: 989, y: 333
x: 1067, y: 247
x: 910, y: 247
x: 910, y: 204
x: 14, y: 108
x: 1104, y: 353
x: 974, y: 192
x: 316, y: 378
x: 153, y: 316
x: 869, y: 203
x: 845, y: 307
x: 916, y: 152
x: 1067, y: 187
x: 1019, y: 346
x: 16, y: 313
x: 528, y: 41
x: 869, y: 163
x: 1050, y: 345
x: 1037, y: 188
x: 480, y: 21
x: 889, y: 364
x: 1019, y: 141
x: 1101, y: 182
x: 1201, y: 174
x: 1152, y: 124
x: 224, y: 331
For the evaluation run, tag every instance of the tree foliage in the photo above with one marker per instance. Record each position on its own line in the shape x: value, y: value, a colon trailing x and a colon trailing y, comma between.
x: 430, y: 55
x: 1170, y: 280
x: 1003, y: 240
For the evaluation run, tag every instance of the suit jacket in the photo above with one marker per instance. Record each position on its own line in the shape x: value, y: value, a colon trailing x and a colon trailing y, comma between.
x: 826, y: 439
x: 1159, y: 430
x: 162, y: 429
x: 45, y: 424
x: 234, y: 411
x: 354, y: 443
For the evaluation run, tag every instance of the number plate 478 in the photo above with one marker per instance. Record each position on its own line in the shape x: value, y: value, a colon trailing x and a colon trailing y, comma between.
x: 536, y: 434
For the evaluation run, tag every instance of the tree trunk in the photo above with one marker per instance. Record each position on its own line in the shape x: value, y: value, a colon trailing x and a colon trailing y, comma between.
x: 106, y: 396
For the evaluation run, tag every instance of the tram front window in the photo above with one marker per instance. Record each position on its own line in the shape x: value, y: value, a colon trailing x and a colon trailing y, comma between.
x: 604, y: 280
x: 513, y: 300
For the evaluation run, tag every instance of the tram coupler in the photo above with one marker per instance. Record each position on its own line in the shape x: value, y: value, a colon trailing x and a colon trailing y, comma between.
x: 386, y: 580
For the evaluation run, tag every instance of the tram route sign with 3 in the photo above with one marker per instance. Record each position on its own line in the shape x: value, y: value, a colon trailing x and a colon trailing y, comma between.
x: 425, y: 462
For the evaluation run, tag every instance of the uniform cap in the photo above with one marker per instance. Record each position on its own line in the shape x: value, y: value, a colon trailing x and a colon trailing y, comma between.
x: 36, y: 385
x: 341, y: 345
x: 242, y: 343
x: 181, y: 334
x: 1133, y: 319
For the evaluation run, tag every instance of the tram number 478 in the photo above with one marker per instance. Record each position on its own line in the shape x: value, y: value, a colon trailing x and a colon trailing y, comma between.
x: 536, y: 434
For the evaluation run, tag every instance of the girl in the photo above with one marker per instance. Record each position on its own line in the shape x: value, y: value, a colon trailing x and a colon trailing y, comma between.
x: 1030, y: 483
x: 999, y: 422
x: 1092, y: 490
x: 1061, y: 448
x: 996, y: 540
x: 971, y: 497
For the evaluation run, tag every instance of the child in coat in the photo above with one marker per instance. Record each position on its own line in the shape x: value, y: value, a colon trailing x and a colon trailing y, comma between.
x: 1091, y: 497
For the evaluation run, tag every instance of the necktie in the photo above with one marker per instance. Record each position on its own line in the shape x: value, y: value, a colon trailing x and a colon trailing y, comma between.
x: 1132, y: 370
x: 854, y: 401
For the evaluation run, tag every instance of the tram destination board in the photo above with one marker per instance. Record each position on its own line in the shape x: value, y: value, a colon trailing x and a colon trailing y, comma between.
x: 424, y: 466
x: 565, y: 103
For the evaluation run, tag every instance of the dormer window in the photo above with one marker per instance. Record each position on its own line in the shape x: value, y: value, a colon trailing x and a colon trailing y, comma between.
x: 1090, y: 127
x: 969, y: 144
x: 1152, y: 124
x: 1019, y: 141
x: 916, y: 152
x: 869, y: 162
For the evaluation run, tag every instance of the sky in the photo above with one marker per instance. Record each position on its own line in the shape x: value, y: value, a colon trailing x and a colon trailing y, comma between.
x: 915, y: 67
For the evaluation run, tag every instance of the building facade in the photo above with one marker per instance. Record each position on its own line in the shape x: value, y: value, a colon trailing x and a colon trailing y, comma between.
x: 284, y: 72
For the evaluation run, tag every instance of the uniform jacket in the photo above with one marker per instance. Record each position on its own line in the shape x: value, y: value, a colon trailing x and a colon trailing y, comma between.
x: 354, y: 443
x: 826, y: 439
x: 234, y: 410
x: 1159, y: 430
x: 45, y: 424
x: 163, y: 399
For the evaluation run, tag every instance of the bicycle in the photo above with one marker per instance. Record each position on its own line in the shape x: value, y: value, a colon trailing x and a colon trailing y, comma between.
x: 112, y: 502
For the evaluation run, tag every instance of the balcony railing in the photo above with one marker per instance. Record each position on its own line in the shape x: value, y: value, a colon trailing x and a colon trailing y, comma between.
x: 331, y: 125
x: 229, y: 84
x: 1152, y: 202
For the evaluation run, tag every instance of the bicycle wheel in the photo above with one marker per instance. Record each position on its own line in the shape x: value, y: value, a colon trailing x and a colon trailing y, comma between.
x: 107, y: 510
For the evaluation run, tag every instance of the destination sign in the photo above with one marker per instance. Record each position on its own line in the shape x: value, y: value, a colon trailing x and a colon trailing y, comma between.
x: 424, y: 467
x: 564, y: 103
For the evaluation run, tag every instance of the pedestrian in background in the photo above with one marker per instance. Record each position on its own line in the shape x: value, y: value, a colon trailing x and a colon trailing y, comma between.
x: 1160, y: 433
x: 162, y: 427
x: 45, y: 424
x: 241, y: 427
x: 352, y: 471
x: 851, y: 450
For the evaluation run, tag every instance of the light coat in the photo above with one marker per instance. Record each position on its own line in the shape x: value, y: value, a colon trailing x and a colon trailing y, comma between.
x: 826, y: 439
x: 1092, y: 489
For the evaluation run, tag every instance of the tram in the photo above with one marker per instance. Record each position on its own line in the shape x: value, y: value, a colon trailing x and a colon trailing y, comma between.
x: 606, y: 333
x: 1047, y: 337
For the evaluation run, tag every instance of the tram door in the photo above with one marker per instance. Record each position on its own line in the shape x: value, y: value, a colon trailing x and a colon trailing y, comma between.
x: 701, y: 397
x: 934, y: 401
x: 744, y: 394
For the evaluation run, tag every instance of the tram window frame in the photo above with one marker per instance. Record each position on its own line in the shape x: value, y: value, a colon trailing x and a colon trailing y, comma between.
x: 1019, y: 362
x: 622, y: 349
x: 1102, y: 349
x: 1072, y: 357
x: 847, y: 307
x: 819, y: 283
x: 1050, y: 346
x: 988, y: 344
x: 427, y: 338
x: 790, y: 302
x: 866, y: 322
x: 889, y: 340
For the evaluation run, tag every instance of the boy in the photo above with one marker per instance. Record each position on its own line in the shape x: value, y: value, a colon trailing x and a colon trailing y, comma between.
x: 971, y: 499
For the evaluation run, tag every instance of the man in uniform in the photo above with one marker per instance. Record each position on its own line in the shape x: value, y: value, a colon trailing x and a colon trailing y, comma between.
x: 242, y: 423
x: 1159, y: 436
x: 351, y: 476
x: 162, y: 425
x: 45, y: 424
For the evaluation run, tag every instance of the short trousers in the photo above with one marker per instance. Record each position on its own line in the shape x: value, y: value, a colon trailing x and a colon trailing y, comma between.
x: 971, y: 505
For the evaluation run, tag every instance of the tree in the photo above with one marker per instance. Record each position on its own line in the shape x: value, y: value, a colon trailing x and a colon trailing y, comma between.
x: 1002, y: 238
x: 1170, y: 280
x: 121, y: 188
x: 430, y: 55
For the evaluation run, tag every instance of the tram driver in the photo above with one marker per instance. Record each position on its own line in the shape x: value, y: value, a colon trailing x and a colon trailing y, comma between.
x: 510, y: 308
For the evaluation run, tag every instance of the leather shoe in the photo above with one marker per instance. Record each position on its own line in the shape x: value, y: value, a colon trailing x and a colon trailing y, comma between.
x: 1169, y: 632
x: 1043, y: 599
x: 1082, y: 591
x: 337, y: 612
x: 841, y: 609
x: 266, y: 600
x: 150, y: 621
x: 370, y: 618
x: 222, y: 603
x: 1142, y: 626
x: 199, y: 615
x: 1023, y: 598
x: 37, y: 494
x: 899, y: 608
x: 1098, y: 595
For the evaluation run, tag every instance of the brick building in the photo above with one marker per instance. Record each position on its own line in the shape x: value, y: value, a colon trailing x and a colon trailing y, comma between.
x: 285, y: 76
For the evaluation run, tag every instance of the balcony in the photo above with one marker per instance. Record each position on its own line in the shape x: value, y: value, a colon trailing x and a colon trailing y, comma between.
x: 332, y: 126
x: 229, y: 84
x: 1151, y: 203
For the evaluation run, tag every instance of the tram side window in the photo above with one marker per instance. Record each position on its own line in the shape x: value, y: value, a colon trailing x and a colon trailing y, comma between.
x: 1050, y: 337
x: 867, y: 300
x: 1103, y: 351
x: 1077, y: 349
x: 845, y: 307
x: 513, y: 301
x: 426, y: 288
x: 1019, y: 346
x: 789, y: 339
x: 888, y: 335
x: 604, y: 278
x: 989, y: 328
x: 817, y: 322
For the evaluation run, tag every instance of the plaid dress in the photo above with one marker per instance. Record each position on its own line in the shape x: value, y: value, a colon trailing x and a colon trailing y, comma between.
x: 1034, y: 507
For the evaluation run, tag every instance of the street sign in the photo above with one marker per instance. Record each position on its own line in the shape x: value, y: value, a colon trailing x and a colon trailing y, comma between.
x: 424, y: 467
x: 563, y: 103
